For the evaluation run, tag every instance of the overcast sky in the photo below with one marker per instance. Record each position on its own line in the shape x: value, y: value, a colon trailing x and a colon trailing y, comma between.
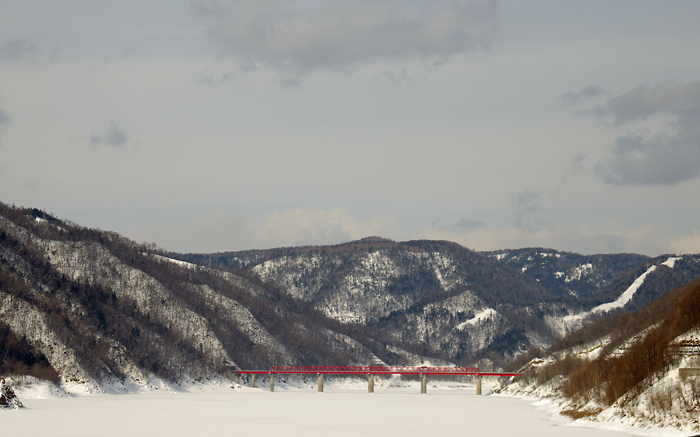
x: 207, y: 126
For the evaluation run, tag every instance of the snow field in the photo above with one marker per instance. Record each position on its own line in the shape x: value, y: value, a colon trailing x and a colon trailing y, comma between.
x: 447, y: 410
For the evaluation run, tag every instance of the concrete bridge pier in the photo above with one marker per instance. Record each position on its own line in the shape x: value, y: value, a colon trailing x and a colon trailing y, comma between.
x: 502, y: 382
x: 370, y: 383
x: 272, y: 382
x: 478, y: 385
x: 252, y: 380
x: 320, y: 383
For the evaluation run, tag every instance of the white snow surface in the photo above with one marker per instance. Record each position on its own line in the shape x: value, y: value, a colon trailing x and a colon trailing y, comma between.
x: 478, y: 317
x: 184, y: 264
x: 671, y: 262
x: 624, y: 297
x: 578, y: 272
x: 690, y: 336
x: 568, y: 323
x: 297, y: 409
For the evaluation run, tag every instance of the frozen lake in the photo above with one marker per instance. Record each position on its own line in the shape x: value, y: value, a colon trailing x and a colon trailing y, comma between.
x: 442, y: 412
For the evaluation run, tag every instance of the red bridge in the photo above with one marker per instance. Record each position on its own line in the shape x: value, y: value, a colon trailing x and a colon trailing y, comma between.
x: 370, y: 371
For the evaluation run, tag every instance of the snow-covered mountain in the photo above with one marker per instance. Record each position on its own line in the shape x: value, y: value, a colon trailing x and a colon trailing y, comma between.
x: 566, y: 273
x: 457, y: 304
x: 95, y: 311
x: 601, y: 283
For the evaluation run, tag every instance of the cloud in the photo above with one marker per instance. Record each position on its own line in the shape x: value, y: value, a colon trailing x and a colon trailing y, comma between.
x: 665, y: 155
x: 297, y: 37
x: 689, y: 243
x: 611, y: 237
x: 577, y: 162
x: 644, y: 101
x: 524, y: 203
x: 213, y: 231
x: 16, y: 49
x: 4, y: 120
x: 115, y: 136
x: 575, y: 98
x: 218, y: 231
x: 466, y: 223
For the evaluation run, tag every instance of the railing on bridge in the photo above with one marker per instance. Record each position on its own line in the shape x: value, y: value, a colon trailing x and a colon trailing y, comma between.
x: 380, y: 370
x: 371, y: 371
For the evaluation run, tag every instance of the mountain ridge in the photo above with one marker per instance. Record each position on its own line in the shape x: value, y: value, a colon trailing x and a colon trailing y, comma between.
x: 551, y: 286
x: 108, y: 313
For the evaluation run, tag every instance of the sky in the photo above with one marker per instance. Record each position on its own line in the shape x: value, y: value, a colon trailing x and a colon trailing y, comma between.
x: 207, y: 126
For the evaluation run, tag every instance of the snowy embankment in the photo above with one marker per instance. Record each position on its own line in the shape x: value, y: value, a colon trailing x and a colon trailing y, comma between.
x: 28, y: 387
x: 668, y: 405
x: 636, y: 417
x: 8, y: 398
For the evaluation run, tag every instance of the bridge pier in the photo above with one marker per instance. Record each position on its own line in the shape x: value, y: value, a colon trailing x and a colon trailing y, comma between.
x: 422, y: 372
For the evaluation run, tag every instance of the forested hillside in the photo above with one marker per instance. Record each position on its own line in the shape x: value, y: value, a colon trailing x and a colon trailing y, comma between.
x: 100, y: 309
x: 625, y: 367
x: 95, y: 311
x: 566, y: 273
x: 457, y: 304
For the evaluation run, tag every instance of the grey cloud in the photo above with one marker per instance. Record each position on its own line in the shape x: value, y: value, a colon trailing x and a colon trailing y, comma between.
x: 524, y: 203
x: 4, y: 120
x: 296, y: 37
x: 663, y: 157
x: 644, y: 101
x: 207, y: 8
x: 469, y: 224
x: 115, y: 136
x: 16, y: 49
x: 575, y: 98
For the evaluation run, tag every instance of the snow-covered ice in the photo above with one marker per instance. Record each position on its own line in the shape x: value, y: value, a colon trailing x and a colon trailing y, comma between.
x: 340, y: 411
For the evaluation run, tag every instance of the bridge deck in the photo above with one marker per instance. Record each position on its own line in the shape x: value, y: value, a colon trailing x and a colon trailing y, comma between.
x: 370, y: 370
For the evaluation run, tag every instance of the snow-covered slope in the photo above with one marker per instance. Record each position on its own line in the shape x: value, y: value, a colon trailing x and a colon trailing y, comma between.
x: 566, y: 273
x: 446, y: 300
x: 99, y: 312
x: 629, y: 369
x: 107, y: 314
x: 456, y: 303
x: 655, y: 280
x: 8, y: 399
